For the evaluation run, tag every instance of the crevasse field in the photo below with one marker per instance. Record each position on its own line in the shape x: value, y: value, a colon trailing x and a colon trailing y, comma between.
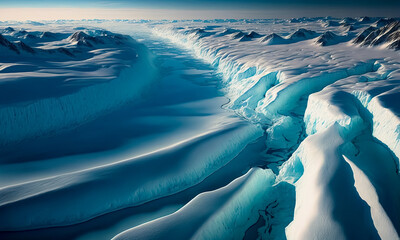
x: 201, y: 129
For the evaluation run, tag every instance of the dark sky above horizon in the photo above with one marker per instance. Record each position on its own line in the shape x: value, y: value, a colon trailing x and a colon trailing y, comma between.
x: 220, y: 4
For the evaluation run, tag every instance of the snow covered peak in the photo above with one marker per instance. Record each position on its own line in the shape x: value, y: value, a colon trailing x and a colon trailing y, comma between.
x: 254, y: 34
x: 273, y: 39
x: 45, y: 44
x: 366, y: 20
x: 245, y: 37
x: 237, y: 35
x: 7, y: 44
x: 25, y: 47
x: 348, y: 20
x: 228, y: 31
x: 388, y: 35
x: 199, y: 32
x: 383, y: 21
x: 19, y: 47
x: 79, y: 36
x: 302, y: 34
x: 82, y: 38
x: 331, y: 23
x: 48, y: 35
x: 8, y: 30
x: 21, y: 34
x: 327, y: 38
x: 348, y: 27
x: 294, y: 20
x: 361, y: 36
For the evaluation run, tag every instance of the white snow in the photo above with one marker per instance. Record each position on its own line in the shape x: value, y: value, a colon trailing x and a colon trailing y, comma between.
x: 273, y: 84
x: 225, y: 213
x: 324, y: 106
x: 69, y: 90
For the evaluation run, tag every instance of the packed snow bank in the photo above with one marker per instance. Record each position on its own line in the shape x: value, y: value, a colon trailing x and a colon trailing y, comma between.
x: 76, y: 197
x: 259, y: 194
x: 345, y: 172
x: 341, y: 144
x: 270, y: 84
x: 286, y: 96
x: 372, y: 96
x: 327, y: 203
x: 385, y: 117
x: 277, y: 85
x: 292, y: 87
x: 326, y: 108
x: 344, y: 190
x: 102, y: 79
x: 226, y: 213
x: 265, y: 81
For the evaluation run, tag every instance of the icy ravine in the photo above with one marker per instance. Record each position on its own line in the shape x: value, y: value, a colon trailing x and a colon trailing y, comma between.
x: 266, y: 97
x: 329, y: 114
x: 204, y: 139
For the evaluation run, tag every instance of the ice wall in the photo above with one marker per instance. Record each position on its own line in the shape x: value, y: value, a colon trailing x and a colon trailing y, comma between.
x: 347, y: 172
x: 46, y: 116
x: 340, y: 102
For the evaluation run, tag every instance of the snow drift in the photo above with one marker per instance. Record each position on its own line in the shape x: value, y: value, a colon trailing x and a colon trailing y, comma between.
x: 117, y: 83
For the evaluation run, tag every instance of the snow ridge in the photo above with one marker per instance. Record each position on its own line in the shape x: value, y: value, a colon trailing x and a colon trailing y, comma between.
x: 278, y: 101
x: 46, y: 116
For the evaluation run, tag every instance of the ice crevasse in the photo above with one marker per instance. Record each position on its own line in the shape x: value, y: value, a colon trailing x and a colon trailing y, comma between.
x: 346, y: 178
x: 341, y: 123
x: 72, y: 198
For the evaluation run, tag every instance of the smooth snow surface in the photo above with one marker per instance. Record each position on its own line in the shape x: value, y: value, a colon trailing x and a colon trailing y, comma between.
x: 216, y: 129
x: 219, y: 214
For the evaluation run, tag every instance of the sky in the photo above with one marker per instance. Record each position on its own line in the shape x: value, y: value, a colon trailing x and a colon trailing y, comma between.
x: 186, y: 9
x: 174, y: 4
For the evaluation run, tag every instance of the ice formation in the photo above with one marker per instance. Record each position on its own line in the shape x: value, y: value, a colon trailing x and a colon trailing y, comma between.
x: 343, y: 115
x: 312, y: 152
x: 98, y: 81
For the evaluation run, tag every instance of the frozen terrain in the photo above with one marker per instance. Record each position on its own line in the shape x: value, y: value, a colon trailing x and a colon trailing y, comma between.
x: 215, y: 129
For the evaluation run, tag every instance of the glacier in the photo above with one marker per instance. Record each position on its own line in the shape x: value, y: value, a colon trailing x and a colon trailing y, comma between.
x: 340, y: 109
x: 106, y: 89
x: 210, y: 213
x: 255, y: 129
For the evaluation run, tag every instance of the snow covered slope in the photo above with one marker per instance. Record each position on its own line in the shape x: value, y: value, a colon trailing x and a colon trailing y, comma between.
x: 56, y: 81
x: 328, y: 101
x: 169, y: 143
x: 306, y: 147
